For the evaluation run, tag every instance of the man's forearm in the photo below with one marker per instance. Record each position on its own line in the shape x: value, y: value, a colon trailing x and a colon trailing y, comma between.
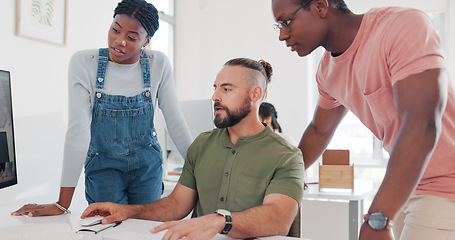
x: 409, y: 158
x: 173, y: 207
x: 312, y: 145
x: 161, y: 210
x: 319, y: 133
x: 264, y: 220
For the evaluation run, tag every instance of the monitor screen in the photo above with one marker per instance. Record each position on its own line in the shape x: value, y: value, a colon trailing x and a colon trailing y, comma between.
x: 199, y: 116
x: 8, y: 175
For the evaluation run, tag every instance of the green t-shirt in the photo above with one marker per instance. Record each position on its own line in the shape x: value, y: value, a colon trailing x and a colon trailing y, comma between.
x: 238, y: 177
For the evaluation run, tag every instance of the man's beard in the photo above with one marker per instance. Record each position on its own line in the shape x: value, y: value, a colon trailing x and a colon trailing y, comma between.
x: 234, y: 117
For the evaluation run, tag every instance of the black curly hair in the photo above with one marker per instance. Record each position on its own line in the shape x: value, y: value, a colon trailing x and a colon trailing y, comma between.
x: 141, y: 10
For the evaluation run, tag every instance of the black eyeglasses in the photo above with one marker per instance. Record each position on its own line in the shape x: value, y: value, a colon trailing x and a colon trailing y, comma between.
x: 98, y: 229
x: 284, y: 24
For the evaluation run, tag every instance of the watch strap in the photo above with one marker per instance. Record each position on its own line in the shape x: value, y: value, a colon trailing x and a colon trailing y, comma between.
x: 228, y: 225
x: 228, y: 220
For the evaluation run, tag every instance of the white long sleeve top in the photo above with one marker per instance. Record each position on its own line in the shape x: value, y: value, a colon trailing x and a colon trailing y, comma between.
x: 120, y: 80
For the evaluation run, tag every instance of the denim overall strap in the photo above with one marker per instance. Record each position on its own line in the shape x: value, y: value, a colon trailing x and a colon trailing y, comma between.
x: 145, y: 64
x: 102, y: 63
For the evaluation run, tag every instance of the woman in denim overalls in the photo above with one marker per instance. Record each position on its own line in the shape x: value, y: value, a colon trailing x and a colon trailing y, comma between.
x: 111, y: 114
x: 124, y: 158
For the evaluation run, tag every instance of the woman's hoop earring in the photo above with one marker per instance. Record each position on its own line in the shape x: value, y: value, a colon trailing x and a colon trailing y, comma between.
x: 142, y: 51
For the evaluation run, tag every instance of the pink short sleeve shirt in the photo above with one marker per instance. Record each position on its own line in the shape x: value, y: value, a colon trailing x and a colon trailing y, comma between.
x: 391, y: 44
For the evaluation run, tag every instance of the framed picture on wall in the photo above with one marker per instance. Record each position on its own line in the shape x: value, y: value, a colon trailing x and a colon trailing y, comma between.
x: 43, y: 20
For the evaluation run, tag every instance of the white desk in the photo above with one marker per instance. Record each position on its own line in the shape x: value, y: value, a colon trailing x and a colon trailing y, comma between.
x: 333, y: 214
x: 63, y: 227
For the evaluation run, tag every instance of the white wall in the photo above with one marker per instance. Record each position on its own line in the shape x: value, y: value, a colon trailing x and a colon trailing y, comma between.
x: 39, y: 82
x: 208, y: 33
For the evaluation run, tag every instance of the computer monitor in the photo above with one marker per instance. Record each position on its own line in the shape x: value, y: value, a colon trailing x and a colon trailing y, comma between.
x: 8, y: 174
x: 199, y: 116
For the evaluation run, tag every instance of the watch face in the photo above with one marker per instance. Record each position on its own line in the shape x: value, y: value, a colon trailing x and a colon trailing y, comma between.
x: 377, y: 221
x: 223, y: 212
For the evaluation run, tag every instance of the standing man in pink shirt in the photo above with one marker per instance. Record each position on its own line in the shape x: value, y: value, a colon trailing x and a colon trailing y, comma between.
x: 387, y: 67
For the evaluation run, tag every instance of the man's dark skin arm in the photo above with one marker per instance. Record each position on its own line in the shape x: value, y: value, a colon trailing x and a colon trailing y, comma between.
x: 420, y: 100
x: 319, y: 133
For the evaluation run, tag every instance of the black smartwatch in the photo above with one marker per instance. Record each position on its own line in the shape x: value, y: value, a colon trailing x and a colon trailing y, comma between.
x: 378, y: 221
x: 227, y: 215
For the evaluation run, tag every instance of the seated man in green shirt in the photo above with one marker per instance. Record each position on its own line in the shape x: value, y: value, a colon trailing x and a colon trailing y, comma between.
x: 241, y: 167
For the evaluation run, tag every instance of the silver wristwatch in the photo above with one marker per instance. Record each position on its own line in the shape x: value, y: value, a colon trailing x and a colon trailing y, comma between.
x: 378, y: 221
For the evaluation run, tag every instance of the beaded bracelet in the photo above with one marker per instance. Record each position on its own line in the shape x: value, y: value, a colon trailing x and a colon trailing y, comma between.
x: 62, y: 208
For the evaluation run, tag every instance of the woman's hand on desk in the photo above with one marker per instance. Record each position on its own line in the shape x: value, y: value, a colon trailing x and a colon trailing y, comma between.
x: 111, y: 212
x: 33, y: 210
